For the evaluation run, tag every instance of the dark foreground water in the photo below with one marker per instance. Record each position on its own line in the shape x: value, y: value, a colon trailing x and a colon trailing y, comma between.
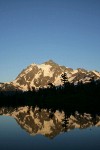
x: 25, y: 128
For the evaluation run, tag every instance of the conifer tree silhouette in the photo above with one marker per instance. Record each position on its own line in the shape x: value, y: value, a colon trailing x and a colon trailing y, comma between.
x: 64, y: 79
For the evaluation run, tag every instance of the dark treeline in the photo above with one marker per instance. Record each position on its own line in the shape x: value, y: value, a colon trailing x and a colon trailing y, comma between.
x: 81, y: 97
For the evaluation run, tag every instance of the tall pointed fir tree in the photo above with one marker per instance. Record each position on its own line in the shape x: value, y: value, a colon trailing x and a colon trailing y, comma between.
x: 64, y: 79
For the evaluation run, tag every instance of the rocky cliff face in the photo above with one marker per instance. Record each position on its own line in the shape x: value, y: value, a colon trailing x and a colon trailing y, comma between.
x: 39, y: 76
x: 50, y: 124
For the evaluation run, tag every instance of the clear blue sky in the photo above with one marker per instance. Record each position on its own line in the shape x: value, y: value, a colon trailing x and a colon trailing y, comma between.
x: 66, y: 31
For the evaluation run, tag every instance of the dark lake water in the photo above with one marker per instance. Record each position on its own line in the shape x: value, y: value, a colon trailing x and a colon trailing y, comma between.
x: 30, y: 128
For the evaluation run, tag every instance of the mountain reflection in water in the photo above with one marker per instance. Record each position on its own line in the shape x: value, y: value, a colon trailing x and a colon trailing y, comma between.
x: 47, y: 122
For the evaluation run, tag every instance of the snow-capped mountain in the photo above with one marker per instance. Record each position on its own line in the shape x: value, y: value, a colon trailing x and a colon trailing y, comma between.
x: 40, y: 75
x: 50, y: 124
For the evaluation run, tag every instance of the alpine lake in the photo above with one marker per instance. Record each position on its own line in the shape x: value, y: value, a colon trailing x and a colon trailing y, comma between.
x: 28, y: 128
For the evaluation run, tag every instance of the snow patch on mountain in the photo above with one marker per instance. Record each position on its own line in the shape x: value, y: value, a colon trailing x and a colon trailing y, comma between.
x: 57, y: 81
x: 37, y: 75
x: 74, y: 71
x: 71, y: 78
x: 97, y: 73
x: 46, y: 69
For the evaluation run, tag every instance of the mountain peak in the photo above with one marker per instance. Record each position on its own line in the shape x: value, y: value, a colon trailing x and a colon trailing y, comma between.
x: 50, y: 62
x: 40, y: 75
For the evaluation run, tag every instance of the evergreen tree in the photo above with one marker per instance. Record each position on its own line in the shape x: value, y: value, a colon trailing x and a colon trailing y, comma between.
x: 64, y: 79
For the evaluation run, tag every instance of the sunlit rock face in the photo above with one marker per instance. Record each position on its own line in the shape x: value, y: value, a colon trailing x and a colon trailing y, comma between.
x: 49, y: 123
x: 40, y: 75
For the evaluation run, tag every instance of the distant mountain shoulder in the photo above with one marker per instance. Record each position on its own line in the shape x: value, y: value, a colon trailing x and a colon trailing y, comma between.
x: 40, y: 75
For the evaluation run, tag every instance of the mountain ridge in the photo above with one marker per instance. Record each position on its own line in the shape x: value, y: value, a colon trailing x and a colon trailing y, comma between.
x: 40, y: 75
